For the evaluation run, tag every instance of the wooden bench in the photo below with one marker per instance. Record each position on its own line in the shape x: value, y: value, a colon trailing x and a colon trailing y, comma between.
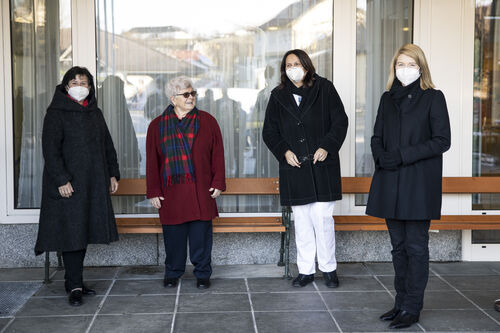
x: 281, y: 224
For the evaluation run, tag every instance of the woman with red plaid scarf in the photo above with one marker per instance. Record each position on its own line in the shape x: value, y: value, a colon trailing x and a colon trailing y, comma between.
x: 184, y: 176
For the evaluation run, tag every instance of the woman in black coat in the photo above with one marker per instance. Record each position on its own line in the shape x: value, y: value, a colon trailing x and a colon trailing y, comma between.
x: 80, y: 171
x: 304, y: 128
x: 411, y: 133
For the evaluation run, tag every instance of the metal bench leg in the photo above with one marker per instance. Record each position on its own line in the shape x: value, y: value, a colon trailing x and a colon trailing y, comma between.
x: 47, y: 268
x: 282, y: 249
x: 286, y: 221
x: 59, y: 261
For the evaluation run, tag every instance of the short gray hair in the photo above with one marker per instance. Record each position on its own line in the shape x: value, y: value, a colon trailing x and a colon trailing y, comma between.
x: 177, y: 84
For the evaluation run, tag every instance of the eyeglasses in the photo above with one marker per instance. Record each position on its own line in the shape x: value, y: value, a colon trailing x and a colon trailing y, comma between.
x: 186, y: 94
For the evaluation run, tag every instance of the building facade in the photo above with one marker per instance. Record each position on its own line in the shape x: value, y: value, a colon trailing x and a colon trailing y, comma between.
x: 232, y: 51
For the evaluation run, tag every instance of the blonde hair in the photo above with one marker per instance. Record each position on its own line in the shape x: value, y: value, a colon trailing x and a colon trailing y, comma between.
x: 416, y: 53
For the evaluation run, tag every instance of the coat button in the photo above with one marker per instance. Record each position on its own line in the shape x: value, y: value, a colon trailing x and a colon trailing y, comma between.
x: 409, y: 96
x: 299, y: 123
x: 302, y: 140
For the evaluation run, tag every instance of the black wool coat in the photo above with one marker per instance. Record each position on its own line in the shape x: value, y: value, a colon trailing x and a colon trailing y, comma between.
x: 77, y: 147
x: 319, y: 122
x: 420, y: 131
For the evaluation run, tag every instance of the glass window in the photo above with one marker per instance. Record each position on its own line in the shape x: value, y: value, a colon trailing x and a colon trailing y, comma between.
x: 486, y: 120
x: 41, y: 54
x: 232, y: 55
x: 382, y: 26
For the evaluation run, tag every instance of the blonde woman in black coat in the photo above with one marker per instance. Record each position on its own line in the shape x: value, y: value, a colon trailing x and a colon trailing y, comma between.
x: 411, y: 133
x: 304, y: 128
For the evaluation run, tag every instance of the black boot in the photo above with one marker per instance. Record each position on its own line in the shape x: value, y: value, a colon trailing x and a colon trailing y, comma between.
x: 170, y: 282
x: 390, y: 315
x: 75, y: 298
x: 497, y: 305
x: 404, y: 319
x: 331, y: 279
x: 202, y: 283
x: 302, y: 280
x: 85, y: 290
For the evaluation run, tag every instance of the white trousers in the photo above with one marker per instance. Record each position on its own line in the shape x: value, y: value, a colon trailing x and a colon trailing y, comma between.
x: 315, y: 234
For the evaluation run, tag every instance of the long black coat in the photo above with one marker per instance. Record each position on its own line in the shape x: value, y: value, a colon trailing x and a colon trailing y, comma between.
x: 320, y: 122
x: 421, y: 132
x: 77, y: 147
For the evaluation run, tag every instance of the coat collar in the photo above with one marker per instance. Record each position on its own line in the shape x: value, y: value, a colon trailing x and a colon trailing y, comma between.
x: 285, y: 98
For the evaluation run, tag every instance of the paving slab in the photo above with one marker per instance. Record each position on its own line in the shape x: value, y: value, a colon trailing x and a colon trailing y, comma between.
x: 457, y: 321
x: 359, y: 301
x: 73, y: 324
x: 295, y: 322
x: 132, y: 323
x: 287, y: 301
x: 213, y: 302
x: 138, y: 304
x: 240, y: 322
x: 366, y: 321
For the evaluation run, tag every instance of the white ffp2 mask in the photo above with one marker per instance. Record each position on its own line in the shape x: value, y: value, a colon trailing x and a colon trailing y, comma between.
x: 78, y: 93
x: 295, y: 74
x: 407, y: 75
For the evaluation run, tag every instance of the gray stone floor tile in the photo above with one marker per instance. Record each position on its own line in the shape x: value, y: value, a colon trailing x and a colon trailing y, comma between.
x: 434, y: 283
x: 23, y: 274
x: 188, y: 286
x: 352, y: 269
x: 73, y: 324
x: 213, y: 302
x: 141, y: 287
x: 483, y: 298
x: 132, y: 323
x: 380, y: 268
x: 446, y: 300
x: 275, y: 285
x: 291, y: 322
x: 57, y: 306
x: 141, y: 272
x: 457, y: 320
x: 287, y: 301
x: 462, y: 283
x: 250, y: 271
x: 463, y: 268
x: 92, y: 273
x: 4, y: 322
x: 240, y: 322
x: 366, y: 321
x: 494, y: 314
x: 56, y: 288
x: 352, y: 283
x: 138, y: 304
x: 359, y: 301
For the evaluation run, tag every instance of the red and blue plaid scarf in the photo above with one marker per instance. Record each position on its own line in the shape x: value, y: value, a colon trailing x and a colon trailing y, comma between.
x: 177, y: 137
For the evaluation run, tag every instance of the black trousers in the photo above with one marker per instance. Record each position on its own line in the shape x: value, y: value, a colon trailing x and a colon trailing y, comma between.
x: 200, y: 238
x: 410, y: 257
x: 73, y: 268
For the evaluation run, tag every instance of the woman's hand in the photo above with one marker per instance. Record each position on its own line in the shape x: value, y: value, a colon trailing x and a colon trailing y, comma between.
x: 216, y: 192
x: 320, y: 155
x: 114, y: 185
x: 292, y: 159
x: 156, y: 202
x: 66, y: 190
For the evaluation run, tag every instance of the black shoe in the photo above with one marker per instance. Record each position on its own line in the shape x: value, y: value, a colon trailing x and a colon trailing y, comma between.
x: 497, y: 305
x: 403, y: 320
x: 170, y: 282
x: 85, y: 290
x: 203, y: 283
x: 331, y: 279
x: 302, y: 280
x: 390, y: 315
x: 75, y: 298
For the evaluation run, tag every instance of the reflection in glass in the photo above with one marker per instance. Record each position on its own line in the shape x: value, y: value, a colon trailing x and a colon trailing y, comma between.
x: 41, y: 54
x: 233, y: 58
x: 486, y: 119
x: 382, y: 27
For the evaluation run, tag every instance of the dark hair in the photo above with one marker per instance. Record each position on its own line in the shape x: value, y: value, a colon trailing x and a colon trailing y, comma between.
x: 73, y: 72
x: 305, y: 61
